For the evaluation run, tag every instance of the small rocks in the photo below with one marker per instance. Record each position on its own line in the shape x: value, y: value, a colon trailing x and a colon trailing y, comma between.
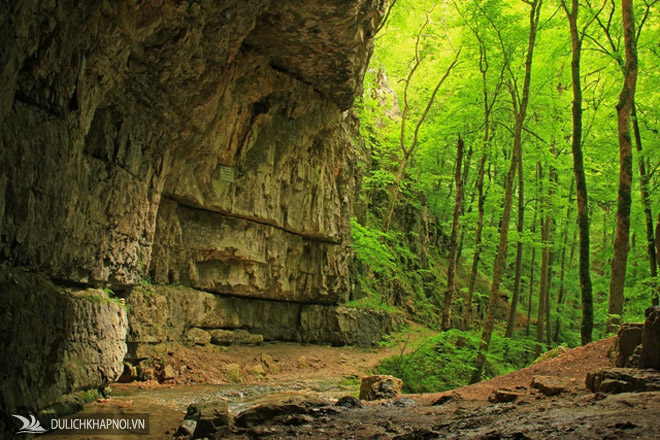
x: 283, y: 414
x: 167, y: 373
x: 403, y: 402
x: 349, y: 402
x: 380, y: 387
x: 269, y: 363
x: 550, y: 385
x: 130, y: 373
x: 447, y: 398
x: 418, y: 434
x: 204, y: 420
x: 505, y: 395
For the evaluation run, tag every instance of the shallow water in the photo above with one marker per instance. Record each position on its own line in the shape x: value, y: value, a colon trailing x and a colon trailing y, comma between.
x: 166, y: 405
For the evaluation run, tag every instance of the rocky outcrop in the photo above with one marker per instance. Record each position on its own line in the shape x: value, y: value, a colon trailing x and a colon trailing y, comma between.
x: 56, y: 341
x: 638, y: 344
x: 623, y: 380
x: 201, y: 143
x: 167, y: 315
x: 232, y: 107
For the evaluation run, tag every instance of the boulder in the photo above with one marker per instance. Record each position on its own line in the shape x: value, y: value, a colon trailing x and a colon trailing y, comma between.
x: 239, y: 337
x: 622, y: 380
x: 282, y: 413
x: 198, y: 336
x: 167, y: 373
x: 651, y: 339
x: 186, y: 430
x: 453, y: 397
x: 349, y: 402
x: 213, y: 417
x: 380, y: 387
x: 628, y: 338
x: 233, y: 373
x: 130, y: 373
x: 505, y: 395
x: 550, y: 385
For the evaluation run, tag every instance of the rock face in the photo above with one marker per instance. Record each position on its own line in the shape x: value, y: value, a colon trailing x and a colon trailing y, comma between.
x: 638, y: 345
x: 161, y: 315
x: 628, y: 338
x: 201, y: 143
x: 651, y: 339
x: 623, y: 380
x: 75, y: 341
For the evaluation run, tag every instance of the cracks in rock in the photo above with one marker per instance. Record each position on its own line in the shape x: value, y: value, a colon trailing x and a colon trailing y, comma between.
x: 319, y: 238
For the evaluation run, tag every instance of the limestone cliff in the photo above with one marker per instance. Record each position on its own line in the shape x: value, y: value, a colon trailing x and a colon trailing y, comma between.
x: 201, y: 143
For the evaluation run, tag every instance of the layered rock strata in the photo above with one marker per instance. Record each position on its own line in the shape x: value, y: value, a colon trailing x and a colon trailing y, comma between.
x: 202, y: 143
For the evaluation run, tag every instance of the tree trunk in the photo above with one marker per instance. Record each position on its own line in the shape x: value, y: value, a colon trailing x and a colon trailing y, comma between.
x: 394, y: 196
x: 562, y: 270
x: 648, y: 215
x: 548, y: 299
x: 623, y: 108
x: 511, y: 324
x: 477, y: 238
x: 531, y: 271
x: 453, y: 242
x: 657, y: 240
x: 580, y: 179
x: 500, y: 257
x: 545, y: 265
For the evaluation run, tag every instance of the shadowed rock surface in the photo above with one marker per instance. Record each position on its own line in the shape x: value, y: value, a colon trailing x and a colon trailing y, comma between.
x: 204, y: 144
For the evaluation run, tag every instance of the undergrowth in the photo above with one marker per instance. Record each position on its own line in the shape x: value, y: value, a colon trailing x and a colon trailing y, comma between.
x: 444, y: 361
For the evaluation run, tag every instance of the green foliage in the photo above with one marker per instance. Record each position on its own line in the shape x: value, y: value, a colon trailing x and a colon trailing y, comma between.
x: 395, y: 270
x: 444, y: 361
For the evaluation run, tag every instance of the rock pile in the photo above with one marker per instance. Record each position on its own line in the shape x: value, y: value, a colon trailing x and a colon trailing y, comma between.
x: 637, y: 359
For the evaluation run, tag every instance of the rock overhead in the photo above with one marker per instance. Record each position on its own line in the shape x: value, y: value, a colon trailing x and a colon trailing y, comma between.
x: 204, y: 144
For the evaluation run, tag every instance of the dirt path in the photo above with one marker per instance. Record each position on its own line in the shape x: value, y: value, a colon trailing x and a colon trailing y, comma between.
x: 276, y: 361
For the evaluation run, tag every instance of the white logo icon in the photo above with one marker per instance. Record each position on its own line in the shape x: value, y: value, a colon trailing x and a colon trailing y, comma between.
x: 30, y: 426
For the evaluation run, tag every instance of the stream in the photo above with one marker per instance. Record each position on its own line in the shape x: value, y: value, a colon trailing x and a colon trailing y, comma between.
x: 166, y: 404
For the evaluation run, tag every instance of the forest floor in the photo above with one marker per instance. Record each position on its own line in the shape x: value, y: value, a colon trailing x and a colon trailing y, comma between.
x: 465, y: 413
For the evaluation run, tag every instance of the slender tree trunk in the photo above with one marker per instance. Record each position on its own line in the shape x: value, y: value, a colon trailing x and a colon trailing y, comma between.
x: 531, y: 272
x: 500, y: 257
x: 552, y: 184
x: 648, y: 215
x: 453, y: 242
x: 548, y: 298
x: 394, y: 196
x: 580, y: 179
x: 511, y: 324
x: 562, y: 270
x: 623, y: 108
x: 477, y: 238
x: 657, y: 239
x: 545, y: 265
